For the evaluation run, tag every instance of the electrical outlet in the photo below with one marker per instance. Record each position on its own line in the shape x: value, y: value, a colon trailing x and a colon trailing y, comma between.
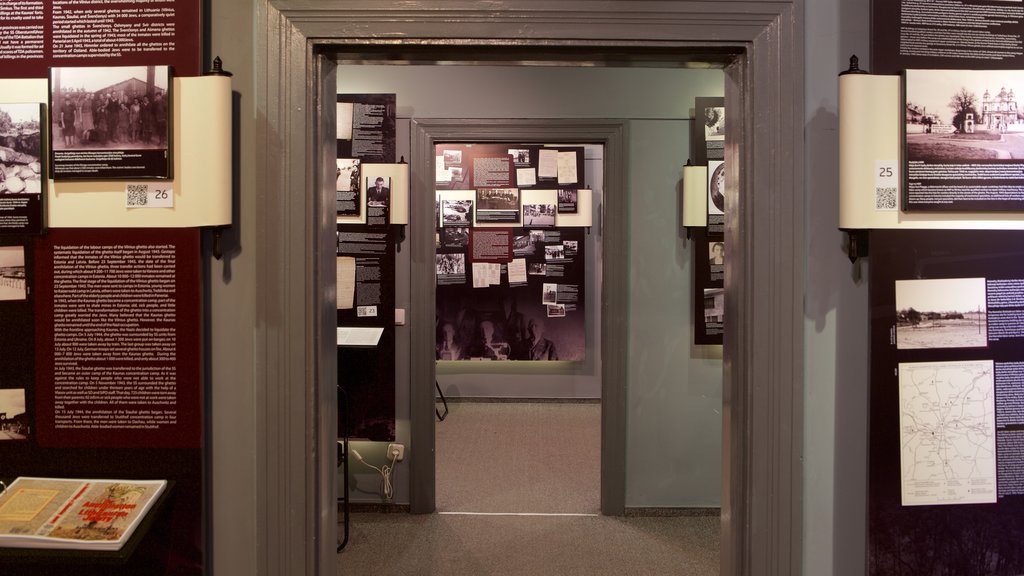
x: 396, y: 452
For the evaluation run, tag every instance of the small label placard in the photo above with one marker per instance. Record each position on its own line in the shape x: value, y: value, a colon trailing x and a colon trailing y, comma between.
x: 366, y: 311
x: 148, y: 195
x: 887, y: 185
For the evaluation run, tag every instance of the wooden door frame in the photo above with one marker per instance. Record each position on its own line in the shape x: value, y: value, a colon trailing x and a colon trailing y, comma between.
x: 762, y: 44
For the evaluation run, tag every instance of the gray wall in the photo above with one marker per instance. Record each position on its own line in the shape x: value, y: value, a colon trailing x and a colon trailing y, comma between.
x: 836, y: 322
x: 674, y: 389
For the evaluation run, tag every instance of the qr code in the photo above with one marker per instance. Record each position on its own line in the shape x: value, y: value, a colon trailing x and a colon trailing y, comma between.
x: 885, y: 198
x: 138, y: 194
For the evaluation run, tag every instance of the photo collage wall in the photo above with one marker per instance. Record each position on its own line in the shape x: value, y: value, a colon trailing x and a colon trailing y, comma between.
x: 709, y: 242
x: 510, y: 279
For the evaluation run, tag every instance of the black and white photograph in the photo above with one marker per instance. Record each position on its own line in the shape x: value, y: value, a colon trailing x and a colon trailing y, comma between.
x: 110, y: 122
x: 941, y: 313
x: 348, y: 199
x: 714, y: 123
x: 455, y: 237
x: 497, y: 205
x: 378, y: 191
x: 964, y: 140
x: 556, y: 310
x: 568, y: 200
x: 716, y: 253
x: 457, y: 212
x: 549, y: 293
x: 12, y: 273
x: 520, y: 156
x: 522, y: 245
x: 538, y: 214
x: 964, y: 115
x: 536, y: 269
x: 714, y: 305
x: 452, y: 158
x: 14, y: 424
x: 716, y: 187
x: 554, y: 252
x: 20, y: 149
x: 448, y: 264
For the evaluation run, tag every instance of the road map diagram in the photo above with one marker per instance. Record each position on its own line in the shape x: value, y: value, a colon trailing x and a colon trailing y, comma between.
x: 947, y: 432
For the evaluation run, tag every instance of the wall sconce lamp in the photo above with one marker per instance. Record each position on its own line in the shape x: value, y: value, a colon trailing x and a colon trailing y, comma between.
x: 695, y: 197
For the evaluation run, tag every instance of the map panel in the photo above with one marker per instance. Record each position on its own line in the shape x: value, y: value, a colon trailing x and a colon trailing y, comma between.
x: 947, y: 432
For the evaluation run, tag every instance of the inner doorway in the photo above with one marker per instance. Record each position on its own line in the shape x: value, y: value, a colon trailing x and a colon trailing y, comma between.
x: 523, y: 431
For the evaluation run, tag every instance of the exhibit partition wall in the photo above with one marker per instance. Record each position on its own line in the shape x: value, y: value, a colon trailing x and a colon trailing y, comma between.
x: 759, y: 46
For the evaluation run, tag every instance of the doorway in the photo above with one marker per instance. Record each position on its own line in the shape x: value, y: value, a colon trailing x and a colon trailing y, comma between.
x: 759, y: 44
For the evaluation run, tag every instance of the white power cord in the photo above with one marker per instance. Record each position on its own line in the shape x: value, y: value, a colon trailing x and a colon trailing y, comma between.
x: 385, y: 472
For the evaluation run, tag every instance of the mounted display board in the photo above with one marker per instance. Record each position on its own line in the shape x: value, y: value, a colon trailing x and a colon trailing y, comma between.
x: 371, y: 193
x: 100, y: 277
x: 946, y: 477
x: 366, y: 127
x: 709, y: 242
x: 509, y: 262
x: 38, y: 34
x: 971, y: 34
x: 106, y: 380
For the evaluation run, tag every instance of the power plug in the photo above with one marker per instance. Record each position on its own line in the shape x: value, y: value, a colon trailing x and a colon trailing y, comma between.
x: 396, y: 452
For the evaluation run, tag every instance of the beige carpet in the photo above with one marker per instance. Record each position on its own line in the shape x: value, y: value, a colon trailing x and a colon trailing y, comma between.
x: 447, y: 545
x: 519, y: 457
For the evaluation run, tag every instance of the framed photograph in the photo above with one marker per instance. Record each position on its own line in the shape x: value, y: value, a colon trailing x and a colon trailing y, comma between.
x: 964, y: 140
x: 941, y: 313
x: 14, y: 424
x: 110, y: 123
x: 378, y: 191
x: 348, y: 198
x: 12, y: 273
x: 567, y: 201
x: 457, y: 212
x: 22, y: 175
x: 539, y: 215
x: 716, y: 187
x: 714, y: 123
x: 497, y: 205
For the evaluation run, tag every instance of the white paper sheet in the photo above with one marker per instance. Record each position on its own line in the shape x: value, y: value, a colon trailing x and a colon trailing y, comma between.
x: 547, y: 163
x: 567, y: 168
x: 526, y: 177
x: 359, y: 335
x: 517, y: 271
x: 345, y: 270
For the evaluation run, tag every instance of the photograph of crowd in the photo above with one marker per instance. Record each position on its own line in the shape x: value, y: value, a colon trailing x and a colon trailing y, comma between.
x: 118, y: 107
x: 538, y: 214
x: 448, y: 264
x: 487, y: 336
x: 20, y: 168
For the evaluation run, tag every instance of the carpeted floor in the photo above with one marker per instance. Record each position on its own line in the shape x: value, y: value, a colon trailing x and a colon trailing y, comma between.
x: 505, y: 471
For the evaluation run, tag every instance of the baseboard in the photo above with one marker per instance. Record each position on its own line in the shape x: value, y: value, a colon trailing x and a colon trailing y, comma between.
x: 510, y: 400
x: 375, y: 507
x: 672, y: 512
